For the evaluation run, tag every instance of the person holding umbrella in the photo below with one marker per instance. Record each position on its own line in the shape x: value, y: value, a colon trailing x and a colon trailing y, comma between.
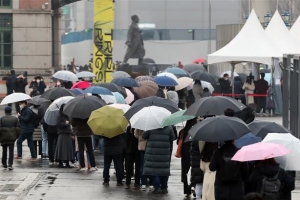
x: 197, y: 90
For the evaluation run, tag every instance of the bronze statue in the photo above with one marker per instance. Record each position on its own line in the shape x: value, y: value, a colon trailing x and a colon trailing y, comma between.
x: 134, y: 42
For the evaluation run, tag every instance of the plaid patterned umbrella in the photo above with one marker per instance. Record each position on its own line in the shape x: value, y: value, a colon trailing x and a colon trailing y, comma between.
x: 60, y: 3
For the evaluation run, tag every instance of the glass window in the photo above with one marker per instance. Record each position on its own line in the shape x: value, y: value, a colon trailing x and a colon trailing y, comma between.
x: 5, y: 41
x: 5, y: 3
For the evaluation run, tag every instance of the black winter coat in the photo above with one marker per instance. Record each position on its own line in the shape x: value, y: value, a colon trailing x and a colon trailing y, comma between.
x: 287, y: 181
x: 238, y: 86
x: 20, y: 85
x: 158, y: 151
x: 247, y: 115
x: 10, y: 129
x: 131, y: 142
x: 81, y: 128
x: 41, y: 86
x: 224, y: 86
x: 62, y: 127
x: 185, y: 156
x: 113, y: 146
x: 196, y: 172
x: 26, y: 120
x: 10, y: 84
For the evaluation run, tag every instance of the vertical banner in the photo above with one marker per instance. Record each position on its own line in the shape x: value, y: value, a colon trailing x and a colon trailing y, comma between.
x: 103, y: 65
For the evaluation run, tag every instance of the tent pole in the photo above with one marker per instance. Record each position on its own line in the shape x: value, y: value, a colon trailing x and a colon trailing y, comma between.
x: 232, y: 78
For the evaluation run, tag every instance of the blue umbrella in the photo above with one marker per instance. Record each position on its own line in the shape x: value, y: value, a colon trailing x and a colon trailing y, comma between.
x: 77, y: 91
x: 247, y: 139
x: 177, y: 72
x: 119, y: 98
x: 125, y: 82
x: 165, y: 81
x: 98, y: 90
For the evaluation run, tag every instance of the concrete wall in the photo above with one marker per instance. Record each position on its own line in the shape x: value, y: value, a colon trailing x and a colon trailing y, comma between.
x: 32, y: 40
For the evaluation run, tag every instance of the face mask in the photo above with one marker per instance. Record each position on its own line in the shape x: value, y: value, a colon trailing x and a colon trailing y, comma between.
x: 21, y: 106
x: 38, y: 81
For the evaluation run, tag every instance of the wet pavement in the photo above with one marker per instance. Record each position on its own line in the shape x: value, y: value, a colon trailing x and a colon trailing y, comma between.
x: 39, y: 181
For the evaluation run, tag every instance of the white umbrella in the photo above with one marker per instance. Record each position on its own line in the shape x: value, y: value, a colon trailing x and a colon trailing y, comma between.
x: 149, y: 118
x: 124, y: 107
x: 229, y: 74
x: 169, y: 75
x: 183, y: 82
x: 65, y: 76
x: 118, y: 74
x: 85, y: 74
x: 207, y: 85
x: 290, y: 161
x: 106, y: 98
x: 15, y: 97
x: 53, y: 110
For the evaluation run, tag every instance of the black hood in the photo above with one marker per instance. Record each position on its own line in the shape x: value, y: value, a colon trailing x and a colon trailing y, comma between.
x: 269, y: 170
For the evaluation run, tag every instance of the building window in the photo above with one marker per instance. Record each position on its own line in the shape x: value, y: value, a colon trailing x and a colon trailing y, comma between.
x: 5, y: 41
x: 5, y: 3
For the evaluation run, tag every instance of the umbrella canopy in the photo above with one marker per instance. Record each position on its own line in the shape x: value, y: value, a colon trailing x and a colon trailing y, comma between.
x: 15, y: 97
x: 190, y: 68
x: 123, y: 107
x: 183, y: 82
x: 125, y: 82
x: 247, y: 139
x: 214, y: 106
x: 119, y: 98
x: 197, y: 73
x: 77, y: 91
x: 149, y: 118
x: 146, y: 89
x: 113, y: 87
x: 37, y: 100
x: 151, y: 101
x: 130, y: 97
x: 168, y: 74
x: 52, y: 112
x: 140, y: 79
x: 243, y: 76
x: 148, y: 61
x: 290, y: 161
x: 98, y: 90
x: 199, y: 60
x: 229, y: 74
x: 81, y: 85
x: 165, y: 81
x: 204, y: 76
x: 65, y: 76
x: 260, y: 151
x: 120, y: 74
x: 176, y: 118
x: 85, y: 74
x: 108, y: 121
x: 262, y: 128
x: 207, y: 85
x: 177, y: 72
x: 55, y: 93
x: 217, y: 129
x: 82, y: 106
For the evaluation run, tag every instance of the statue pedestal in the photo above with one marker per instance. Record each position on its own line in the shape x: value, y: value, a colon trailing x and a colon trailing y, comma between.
x: 134, y: 70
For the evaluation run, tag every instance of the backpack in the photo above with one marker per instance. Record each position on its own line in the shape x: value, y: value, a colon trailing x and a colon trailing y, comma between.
x: 270, y: 189
x: 35, y: 120
x: 229, y: 170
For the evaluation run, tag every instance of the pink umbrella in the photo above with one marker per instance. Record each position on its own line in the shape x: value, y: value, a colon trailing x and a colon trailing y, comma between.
x: 199, y: 60
x: 130, y: 97
x: 81, y: 85
x: 260, y: 151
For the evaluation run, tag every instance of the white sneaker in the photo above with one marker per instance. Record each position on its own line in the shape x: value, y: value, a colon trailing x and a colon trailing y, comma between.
x: 93, y: 169
x: 143, y: 188
x: 151, y: 188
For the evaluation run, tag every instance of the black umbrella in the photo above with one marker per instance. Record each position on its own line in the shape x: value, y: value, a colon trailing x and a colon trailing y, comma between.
x: 213, y: 106
x: 243, y: 77
x: 37, y: 100
x: 148, y: 61
x: 151, y: 101
x: 204, y: 76
x: 82, y: 106
x: 55, y: 93
x: 193, y: 68
x: 262, y: 128
x: 113, y: 87
x: 218, y: 129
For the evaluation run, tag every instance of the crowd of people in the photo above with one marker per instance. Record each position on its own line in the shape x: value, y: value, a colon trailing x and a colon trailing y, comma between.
x: 146, y: 155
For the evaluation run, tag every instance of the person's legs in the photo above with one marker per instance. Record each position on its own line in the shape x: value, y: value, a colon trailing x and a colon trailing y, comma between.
x: 40, y: 147
x: 143, y: 177
x: 101, y: 145
x: 20, y: 140
x: 90, y: 152
x: 164, y: 182
x: 156, y: 182
x: 30, y: 144
x: 95, y: 141
x: 263, y: 103
x: 51, y: 139
x: 44, y: 142
x: 137, y: 174
x: 35, y: 146
x: 198, y: 190
x: 4, y: 154
x: 11, y: 154
x: 118, y: 167
x: 129, y: 168
x: 80, y: 141
x: 107, y: 163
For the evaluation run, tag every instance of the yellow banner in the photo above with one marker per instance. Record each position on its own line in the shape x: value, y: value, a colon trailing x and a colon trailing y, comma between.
x: 103, y: 65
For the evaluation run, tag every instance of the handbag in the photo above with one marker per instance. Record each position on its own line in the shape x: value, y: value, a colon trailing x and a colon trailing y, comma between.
x: 179, y: 146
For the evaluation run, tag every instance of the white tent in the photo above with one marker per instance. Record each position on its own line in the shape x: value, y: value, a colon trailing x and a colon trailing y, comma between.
x: 250, y: 45
x: 280, y: 35
x: 295, y: 30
